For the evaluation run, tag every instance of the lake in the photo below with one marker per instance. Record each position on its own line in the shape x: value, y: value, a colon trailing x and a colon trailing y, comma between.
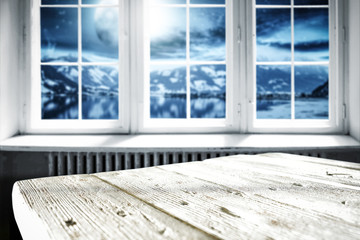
x: 59, y: 107
x: 305, y: 108
x: 175, y: 107
x: 100, y: 107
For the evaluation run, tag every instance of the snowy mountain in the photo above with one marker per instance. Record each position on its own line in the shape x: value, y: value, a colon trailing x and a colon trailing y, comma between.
x: 275, y: 81
x: 63, y: 80
x: 321, y: 91
x: 59, y: 80
x: 205, y: 80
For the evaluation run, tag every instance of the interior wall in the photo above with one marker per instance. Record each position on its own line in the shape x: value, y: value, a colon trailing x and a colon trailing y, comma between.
x: 353, y: 71
x: 10, y: 38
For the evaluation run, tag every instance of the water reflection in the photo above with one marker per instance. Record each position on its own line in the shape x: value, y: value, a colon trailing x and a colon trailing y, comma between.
x: 311, y: 108
x: 100, y: 107
x: 273, y: 109
x: 305, y: 108
x: 59, y: 107
x: 208, y: 108
x: 168, y: 106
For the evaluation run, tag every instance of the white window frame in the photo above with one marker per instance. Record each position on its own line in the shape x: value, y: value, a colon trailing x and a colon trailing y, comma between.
x: 240, y: 80
x: 335, y: 122
x: 202, y: 125
x: 34, y: 123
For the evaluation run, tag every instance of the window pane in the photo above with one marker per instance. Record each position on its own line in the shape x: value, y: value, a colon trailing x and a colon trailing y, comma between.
x: 100, y: 1
x: 168, y: 33
x: 273, y: 35
x: 100, y: 34
x: 59, y: 35
x: 168, y: 1
x: 52, y: 2
x: 311, y: 2
x: 273, y: 2
x: 167, y: 91
x: 311, y: 92
x: 208, y: 90
x: 207, y: 34
x: 59, y: 92
x: 273, y: 92
x: 207, y: 1
x: 100, y: 92
x: 311, y: 29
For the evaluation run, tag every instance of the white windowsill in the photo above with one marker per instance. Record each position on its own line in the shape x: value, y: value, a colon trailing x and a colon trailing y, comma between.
x: 108, y: 143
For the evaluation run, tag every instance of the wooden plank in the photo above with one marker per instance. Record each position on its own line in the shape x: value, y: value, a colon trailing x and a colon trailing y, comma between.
x: 329, y: 162
x: 294, y: 165
x: 311, y: 196
x: 84, y: 207
x: 223, y: 211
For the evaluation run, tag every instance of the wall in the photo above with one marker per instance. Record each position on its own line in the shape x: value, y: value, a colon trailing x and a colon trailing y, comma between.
x: 353, y: 71
x: 10, y: 38
x: 16, y: 166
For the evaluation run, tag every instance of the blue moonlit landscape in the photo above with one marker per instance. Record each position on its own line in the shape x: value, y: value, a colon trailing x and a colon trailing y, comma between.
x: 311, y: 44
x: 168, y: 77
x: 59, y: 46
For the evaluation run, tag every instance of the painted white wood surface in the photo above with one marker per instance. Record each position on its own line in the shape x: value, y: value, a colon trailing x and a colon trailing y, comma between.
x: 10, y: 67
x: 268, y: 196
x: 175, y: 141
x: 353, y: 67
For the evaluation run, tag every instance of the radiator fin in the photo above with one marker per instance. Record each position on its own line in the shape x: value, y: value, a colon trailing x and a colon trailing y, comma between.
x: 66, y: 163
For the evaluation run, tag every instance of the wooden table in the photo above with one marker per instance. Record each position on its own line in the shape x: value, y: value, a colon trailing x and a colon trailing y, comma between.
x: 268, y: 196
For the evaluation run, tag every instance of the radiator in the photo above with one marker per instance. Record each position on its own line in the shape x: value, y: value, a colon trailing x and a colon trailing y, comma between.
x: 66, y: 163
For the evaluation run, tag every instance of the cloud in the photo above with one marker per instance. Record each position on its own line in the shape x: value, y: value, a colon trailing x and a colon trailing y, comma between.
x: 312, y: 46
x: 272, y: 21
x: 173, y: 46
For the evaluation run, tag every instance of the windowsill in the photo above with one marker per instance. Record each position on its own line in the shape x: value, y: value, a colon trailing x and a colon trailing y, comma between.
x: 108, y: 143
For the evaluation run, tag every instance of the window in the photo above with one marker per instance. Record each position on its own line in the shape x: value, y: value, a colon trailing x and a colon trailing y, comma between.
x: 80, y: 82
x: 184, y: 66
x: 187, y: 75
x: 294, y: 64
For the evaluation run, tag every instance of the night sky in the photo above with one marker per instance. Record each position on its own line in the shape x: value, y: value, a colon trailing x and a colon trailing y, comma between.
x: 59, y: 34
x: 311, y: 30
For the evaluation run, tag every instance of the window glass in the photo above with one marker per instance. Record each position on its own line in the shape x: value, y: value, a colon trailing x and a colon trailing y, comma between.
x: 207, y: 1
x: 207, y: 31
x: 292, y: 80
x: 100, y: 92
x: 273, y: 2
x: 72, y: 88
x: 51, y: 2
x: 59, y: 92
x: 59, y: 30
x: 187, y: 69
x: 168, y: 33
x: 311, y: 2
x: 311, y: 92
x: 208, y: 90
x: 273, y: 87
x: 100, y: 1
x: 168, y: 91
x: 273, y: 35
x: 100, y: 35
x: 311, y: 33
x: 168, y: 1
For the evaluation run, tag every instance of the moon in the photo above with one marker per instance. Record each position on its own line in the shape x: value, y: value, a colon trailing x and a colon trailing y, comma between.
x: 106, y: 25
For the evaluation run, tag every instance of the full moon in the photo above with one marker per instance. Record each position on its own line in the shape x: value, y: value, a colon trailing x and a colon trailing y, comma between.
x: 106, y: 25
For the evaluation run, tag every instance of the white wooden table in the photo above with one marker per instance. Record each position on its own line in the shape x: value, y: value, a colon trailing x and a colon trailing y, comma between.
x: 269, y: 196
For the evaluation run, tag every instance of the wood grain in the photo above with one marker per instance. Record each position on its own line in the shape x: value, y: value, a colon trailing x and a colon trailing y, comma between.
x: 268, y: 196
x: 84, y: 207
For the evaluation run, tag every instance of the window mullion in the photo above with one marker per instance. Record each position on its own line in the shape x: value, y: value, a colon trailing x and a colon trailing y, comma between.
x: 188, y: 108
x: 292, y: 62
x: 79, y: 61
